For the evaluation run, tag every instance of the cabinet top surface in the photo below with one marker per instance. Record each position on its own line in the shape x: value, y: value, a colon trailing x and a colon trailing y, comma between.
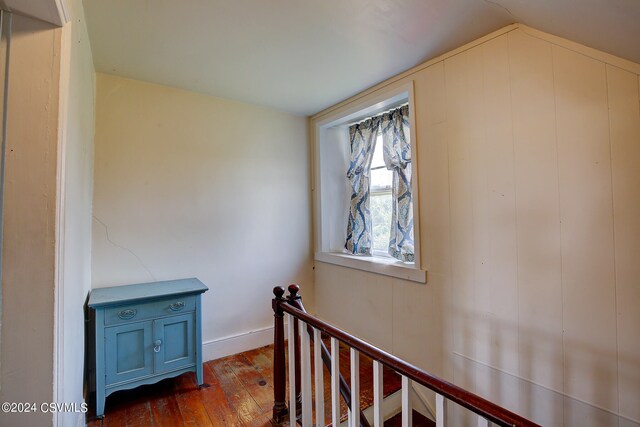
x: 119, y: 294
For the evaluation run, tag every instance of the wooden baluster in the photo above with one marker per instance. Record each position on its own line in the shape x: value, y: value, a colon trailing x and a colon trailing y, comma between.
x: 335, y: 382
x: 293, y: 299
x: 305, y: 374
x: 441, y: 410
x: 318, y: 375
x: 339, y: 386
x: 407, y: 407
x: 378, y: 395
x: 355, y: 388
x: 292, y: 373
x: 279, y: 362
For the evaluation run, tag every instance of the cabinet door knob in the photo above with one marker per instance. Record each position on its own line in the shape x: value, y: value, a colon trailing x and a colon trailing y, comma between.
x: 176, y: 306
x: 156, y: 346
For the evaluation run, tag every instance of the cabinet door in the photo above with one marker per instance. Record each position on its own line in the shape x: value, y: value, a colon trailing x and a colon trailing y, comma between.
x: 128, y: 352
x: 174, y: 339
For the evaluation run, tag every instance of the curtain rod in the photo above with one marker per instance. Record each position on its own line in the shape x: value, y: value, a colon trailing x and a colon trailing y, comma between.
x: 378, y: 114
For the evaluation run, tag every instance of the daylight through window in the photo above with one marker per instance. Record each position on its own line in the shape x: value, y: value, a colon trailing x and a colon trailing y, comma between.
x: 380, y: 220
x: 365, y: 197
x: 380, y: 202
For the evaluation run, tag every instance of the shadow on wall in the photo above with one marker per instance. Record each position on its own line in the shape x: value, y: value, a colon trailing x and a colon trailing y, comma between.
x: 521, y: 395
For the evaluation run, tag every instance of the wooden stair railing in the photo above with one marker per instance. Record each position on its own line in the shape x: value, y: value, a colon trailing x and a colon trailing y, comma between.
x: 300, y: 370
x: 280, y: 409
x: 296, y: 301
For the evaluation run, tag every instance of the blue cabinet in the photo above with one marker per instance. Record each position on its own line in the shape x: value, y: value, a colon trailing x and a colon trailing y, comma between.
x: 145, y: 333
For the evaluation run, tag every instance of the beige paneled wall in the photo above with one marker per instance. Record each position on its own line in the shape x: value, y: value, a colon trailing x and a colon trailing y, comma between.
x: 624, y: 119
x: 29, y: 250
x: 529, y: 177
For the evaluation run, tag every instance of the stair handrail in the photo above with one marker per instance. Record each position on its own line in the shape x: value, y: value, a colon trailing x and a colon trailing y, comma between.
x: 345, y: 392
x: 483, y: 407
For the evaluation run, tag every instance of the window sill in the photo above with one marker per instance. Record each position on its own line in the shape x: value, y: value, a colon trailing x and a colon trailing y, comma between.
x: 378, y: 265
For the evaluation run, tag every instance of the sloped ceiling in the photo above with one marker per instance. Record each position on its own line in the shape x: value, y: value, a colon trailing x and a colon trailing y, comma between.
x: 302, y: 56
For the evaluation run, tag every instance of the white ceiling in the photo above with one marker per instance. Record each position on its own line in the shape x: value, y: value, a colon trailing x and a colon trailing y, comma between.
x: 46, y: 10
x: 302, y: 56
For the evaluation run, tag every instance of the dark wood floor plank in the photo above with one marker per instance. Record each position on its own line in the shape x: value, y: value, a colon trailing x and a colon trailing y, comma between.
x: 240, y: 399
x: 165, y: 411
x: 262, y: 359
x: 256, y: 385
x: 262, y: 421
x: 139, y: 414
x: 220, y: 410
x: 188, y: 398
x: 115, y: 416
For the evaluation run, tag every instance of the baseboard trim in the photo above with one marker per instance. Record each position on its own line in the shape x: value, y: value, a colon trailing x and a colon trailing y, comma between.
x: 227, y: 346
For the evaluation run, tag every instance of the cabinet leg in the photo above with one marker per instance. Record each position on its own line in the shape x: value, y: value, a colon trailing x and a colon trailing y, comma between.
x: 199, y: 374
x: 100, y: 404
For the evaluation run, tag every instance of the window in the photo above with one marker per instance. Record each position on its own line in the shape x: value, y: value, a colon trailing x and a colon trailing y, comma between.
x: 380, y: 201
x: 383, y: 250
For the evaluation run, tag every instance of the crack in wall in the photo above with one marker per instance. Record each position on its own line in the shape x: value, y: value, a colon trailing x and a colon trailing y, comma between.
x: 106, y: 232
x: 495, y: 3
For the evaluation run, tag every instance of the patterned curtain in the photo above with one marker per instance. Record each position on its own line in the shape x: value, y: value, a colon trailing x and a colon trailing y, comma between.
x: 397, y: 157
x: 363, y: 137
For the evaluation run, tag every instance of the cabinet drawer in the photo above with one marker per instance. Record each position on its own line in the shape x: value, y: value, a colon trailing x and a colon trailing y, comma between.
x: 147, y: 310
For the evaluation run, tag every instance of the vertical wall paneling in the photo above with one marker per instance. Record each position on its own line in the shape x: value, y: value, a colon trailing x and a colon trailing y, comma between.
x: 29, y: 218
x: 433, y: 165
x: 584, y: 170
x: 501, y: 288
x: 461, y: 213
x: 433, y: 174
x: 479, y: 240
x: 537, y: 210
x: 624, y: 120
x: 370, y: 293
x: 529, y: 173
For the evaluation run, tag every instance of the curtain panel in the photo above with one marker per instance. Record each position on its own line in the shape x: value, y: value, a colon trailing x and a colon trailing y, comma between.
x: 397, y: 158
x: 362, y: 137
x: 394, y: 127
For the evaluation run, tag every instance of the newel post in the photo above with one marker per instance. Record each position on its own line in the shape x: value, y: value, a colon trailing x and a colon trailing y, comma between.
x: 279, y: 363
x: 295, y: 300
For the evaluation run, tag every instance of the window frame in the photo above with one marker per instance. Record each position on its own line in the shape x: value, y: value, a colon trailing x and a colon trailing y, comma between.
x: 366, y: 106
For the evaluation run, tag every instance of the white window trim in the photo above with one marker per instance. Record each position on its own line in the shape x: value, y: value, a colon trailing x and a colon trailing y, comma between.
x: 366, y: 107
x: 380, y: 265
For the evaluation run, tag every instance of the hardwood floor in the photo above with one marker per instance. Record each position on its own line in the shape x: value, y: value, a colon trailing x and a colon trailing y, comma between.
x: 239, y: 393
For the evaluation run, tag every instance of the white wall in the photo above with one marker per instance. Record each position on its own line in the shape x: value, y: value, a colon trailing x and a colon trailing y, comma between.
x: 77, y: 95
x: 188, y: 185
x: 27, y: 343
x: 528, y: 154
